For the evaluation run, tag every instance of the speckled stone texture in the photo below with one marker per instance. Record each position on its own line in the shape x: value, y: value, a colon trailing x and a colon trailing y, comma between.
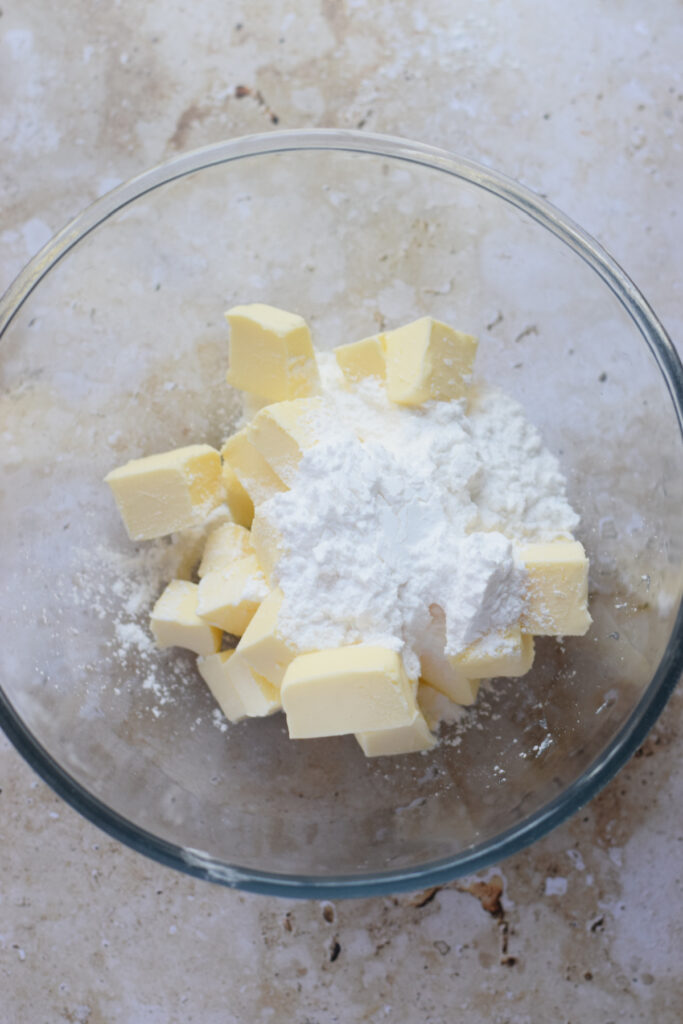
x: 584, y: 103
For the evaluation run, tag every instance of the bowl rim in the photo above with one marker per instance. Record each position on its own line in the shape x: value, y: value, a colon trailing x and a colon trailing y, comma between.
x: 632, y: 732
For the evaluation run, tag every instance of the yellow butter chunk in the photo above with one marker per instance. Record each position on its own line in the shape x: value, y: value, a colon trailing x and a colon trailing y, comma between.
x: 407, y: 739
x: 238, y: 501
x: 253, y: 472
x: 557, y: 589
x: 229, y: 597
x: 362, y: 359
x: 440, y: 672
x: 267, y: 543
x: 175, y: 622
x: 161, y: 494
x: 427, y: 360
x: 505, y: 653
x: 225, y: 545
x: 189, y: 545
x: 263, y: 646
x: 271, y: 353
x: 433, y: 704
x: 347, y: 690
x: 238, y: 691
x: 281, y: 433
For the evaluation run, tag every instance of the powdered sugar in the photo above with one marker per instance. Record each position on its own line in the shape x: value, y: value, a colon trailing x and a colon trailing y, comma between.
x: 255, y: 588
x: 522, y: 491
x: 131, y: 635
x: 400, y: 515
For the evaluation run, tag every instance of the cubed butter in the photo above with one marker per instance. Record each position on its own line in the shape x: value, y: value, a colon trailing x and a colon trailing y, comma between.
x: 347, y: 690
x: 434, y: 706
x: 507, y: 652
x: 225, y: 545
x: 440, y: 672
x: 238, y: 691
x: 557, y: 589
x: 362, y: 359
x: 427, y: 360
x: 175, y: 622
x: 271, y: 353
x: 189, y: 544
x: 238, y: 501
x: 406, y: 739
x: 253, y: 472
x: 282, y: 432
x: 163, y: 493
x: 228, y: 598
x: 267, y: 542
x: 263, y: 646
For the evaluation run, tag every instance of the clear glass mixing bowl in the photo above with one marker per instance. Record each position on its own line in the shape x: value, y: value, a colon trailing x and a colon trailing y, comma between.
x: 114, y: 345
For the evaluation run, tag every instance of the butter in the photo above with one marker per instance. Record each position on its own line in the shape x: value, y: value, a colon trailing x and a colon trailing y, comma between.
x: 238, y: 501
x: 271, y: 353
x: 505, y: 653
x: 362, y: 359
x: 440, y: 672
x: 347, y: 690
x: 432, y: 703
x: 281, y: 433
x: 267, y: 543
x: 161, y: 494
x: 358, y: 689
x: 228, y: 598
x: 225, y: 545
x: 190, y: 543
x: 406, y: 739
x: 175, y: 622
x: 253, y: 472
x: 557, y: 589
x: 238, y: 691
x: 427, y: 360
x: 263, y: 645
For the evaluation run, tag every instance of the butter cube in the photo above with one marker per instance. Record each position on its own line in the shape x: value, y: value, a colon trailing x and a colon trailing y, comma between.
x: 161, y: 494
x: 348, y: 689
x: 271, y: 353
x: 427, y: 360
x: 225, y: 545
x: 504, y: 653
x: 267, y: 542
x: 557, y: 589
x: 175, y: 622
x: 239, y: 692
x: 436, y: 707
x: 263, y: 646
x: 238, y: 501
x: 440, y: 672
x: 189, y: 544
x: 253, y: 472
x: 407, y: 739
x: 229, y: 597
x: 281, y: 432
x: 362, y: 359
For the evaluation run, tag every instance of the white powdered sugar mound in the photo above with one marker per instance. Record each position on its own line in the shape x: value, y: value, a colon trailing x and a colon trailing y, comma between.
x: 401, y: 521
x: 522, y: 491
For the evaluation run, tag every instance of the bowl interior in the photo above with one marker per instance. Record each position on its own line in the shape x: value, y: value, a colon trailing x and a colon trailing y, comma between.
x: 121, y: 350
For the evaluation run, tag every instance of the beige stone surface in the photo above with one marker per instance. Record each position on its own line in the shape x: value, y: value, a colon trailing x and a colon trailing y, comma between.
x: 583, y: 102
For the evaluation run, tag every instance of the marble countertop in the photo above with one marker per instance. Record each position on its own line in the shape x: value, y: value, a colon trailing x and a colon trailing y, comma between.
x: 582, y: 102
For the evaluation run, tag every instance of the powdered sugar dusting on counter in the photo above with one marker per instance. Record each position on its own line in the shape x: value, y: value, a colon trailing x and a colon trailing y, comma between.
x: 401, y: 521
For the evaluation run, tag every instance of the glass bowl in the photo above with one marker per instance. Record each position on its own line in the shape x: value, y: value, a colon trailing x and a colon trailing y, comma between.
x: 114, y: 346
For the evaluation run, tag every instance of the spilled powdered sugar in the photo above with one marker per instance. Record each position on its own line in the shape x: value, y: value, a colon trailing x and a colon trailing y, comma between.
x: 399, y: 528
